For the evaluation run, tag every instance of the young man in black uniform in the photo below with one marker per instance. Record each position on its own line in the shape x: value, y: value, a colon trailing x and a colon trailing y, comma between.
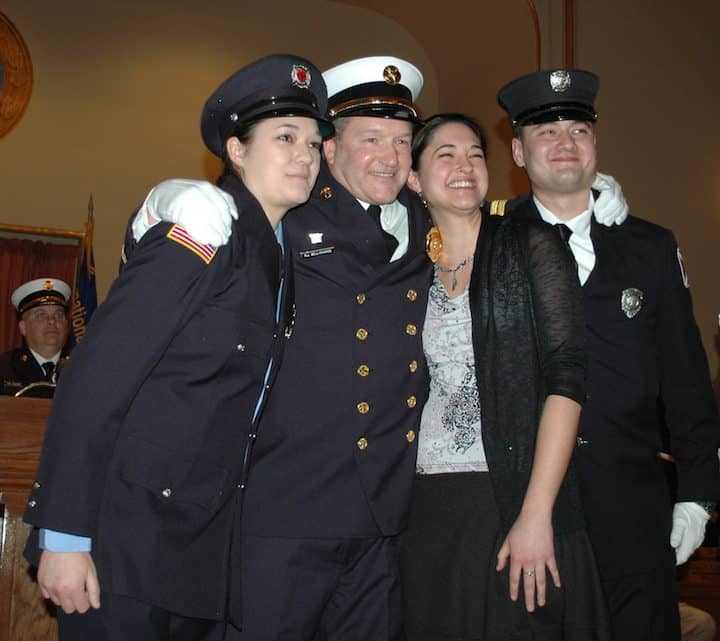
x: 41, y: 306
x: 643, y: 341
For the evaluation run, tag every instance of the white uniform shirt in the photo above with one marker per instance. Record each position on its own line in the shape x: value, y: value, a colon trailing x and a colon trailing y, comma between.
x: 394, y: 220
x: 580, y: 242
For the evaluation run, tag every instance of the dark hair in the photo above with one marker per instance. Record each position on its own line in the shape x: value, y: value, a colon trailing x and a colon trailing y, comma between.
x: 424, y: 135
x: 244, y: 133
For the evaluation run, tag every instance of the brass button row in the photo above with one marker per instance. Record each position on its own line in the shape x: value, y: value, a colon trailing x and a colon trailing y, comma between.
x: 363, y: 370
x: 362, y: 442
x: 411, y: 295
x: 361, y: 334
x: 363, y: 407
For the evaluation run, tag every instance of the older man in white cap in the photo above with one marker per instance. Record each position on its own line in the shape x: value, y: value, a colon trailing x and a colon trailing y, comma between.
x: 41, y: 306
x: 334, y: 460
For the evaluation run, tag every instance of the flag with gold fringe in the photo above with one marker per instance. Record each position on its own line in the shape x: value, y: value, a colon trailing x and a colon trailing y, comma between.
x: 84, y: 297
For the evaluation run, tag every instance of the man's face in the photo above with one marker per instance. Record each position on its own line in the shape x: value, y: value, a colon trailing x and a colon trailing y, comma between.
x: 560, y: 157
x: 370, y: 157
x: 45, y: 329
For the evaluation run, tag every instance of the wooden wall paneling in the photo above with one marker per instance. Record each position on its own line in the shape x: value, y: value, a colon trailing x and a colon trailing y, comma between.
x: 24, y: 615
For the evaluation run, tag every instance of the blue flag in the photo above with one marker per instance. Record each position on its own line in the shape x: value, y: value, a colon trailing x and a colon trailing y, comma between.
x: 84, y: 297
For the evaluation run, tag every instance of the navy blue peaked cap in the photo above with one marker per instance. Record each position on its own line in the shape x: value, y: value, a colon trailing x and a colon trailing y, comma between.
x: 544, y: 96
x: 277, y: 85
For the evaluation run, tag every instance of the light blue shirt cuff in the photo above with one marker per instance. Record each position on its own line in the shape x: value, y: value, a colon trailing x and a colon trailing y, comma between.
x: 61, y: 542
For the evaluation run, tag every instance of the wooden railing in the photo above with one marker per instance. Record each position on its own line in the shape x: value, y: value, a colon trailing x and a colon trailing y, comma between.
x: 24, y: 615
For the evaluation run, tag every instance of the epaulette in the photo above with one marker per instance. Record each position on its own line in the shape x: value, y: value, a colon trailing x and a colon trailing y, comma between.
x: 497, y: 207
x: 179, y: 235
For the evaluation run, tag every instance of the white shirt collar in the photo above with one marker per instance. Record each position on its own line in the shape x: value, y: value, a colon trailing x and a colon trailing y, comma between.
x: 579, y: 225
x: 394, y: 220
x: 41, y: 359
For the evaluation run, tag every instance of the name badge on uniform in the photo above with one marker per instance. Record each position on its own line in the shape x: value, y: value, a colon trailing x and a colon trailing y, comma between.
x: 320, y: 251
x: 316, y: 238
x: 631, y: 301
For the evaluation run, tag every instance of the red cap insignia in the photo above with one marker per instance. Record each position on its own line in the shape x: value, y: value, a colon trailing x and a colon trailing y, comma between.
x: 300, y: 76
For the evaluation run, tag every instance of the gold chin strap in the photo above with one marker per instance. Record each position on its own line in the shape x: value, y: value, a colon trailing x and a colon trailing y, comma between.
x: 338, y: 110
x: 497, y: 207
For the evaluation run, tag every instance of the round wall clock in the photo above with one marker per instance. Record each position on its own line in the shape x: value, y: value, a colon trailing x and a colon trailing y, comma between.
x: 16, y: 75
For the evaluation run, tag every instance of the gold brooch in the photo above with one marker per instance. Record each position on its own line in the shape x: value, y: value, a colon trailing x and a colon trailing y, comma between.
x: 433, y: 244
x: 326, y: 193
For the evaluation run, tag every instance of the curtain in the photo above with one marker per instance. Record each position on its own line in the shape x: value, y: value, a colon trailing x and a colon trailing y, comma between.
x: 23, y: 260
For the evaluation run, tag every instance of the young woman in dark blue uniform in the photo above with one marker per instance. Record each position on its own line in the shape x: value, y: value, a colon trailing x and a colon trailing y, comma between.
x: 144, y: 464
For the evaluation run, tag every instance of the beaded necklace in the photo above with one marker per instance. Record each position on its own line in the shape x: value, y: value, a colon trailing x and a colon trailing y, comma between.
x: 454, y: 270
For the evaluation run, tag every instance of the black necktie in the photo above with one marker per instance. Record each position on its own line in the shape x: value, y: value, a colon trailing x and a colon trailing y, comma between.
x: 49, y: 369
x: 565, y: 233
x: 391, y: 242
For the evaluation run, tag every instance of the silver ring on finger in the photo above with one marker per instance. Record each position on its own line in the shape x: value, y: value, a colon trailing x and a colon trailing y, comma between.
x: 529, y: 572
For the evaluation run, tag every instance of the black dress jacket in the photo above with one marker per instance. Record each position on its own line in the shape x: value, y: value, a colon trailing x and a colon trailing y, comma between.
x: 643, y: 343
x: 19, y: 368
x: 149, y: 464
x: 527, y: 327
x: 335, y: 453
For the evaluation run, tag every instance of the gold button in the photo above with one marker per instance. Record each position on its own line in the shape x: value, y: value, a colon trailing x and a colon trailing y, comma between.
x: 411, y: 402
x: 411, y: 330
x: 362, y: 443
x: 363, y: 370
x: 361, y: 334
x: 413, y: 366
x: 360, y: 298
x: 410, y: 436
x: 411, y: 294
x: 363, y: 407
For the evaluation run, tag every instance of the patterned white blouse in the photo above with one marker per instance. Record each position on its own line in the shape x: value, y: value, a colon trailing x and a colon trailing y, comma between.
x: 450, y: 438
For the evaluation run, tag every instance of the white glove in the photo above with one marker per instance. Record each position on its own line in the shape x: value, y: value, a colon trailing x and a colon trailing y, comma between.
x: 611, y: 208
x: 688, y: 529
x: 203, y: 210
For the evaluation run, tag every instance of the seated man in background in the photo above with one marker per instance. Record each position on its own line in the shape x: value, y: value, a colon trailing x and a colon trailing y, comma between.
x: 41, y: 306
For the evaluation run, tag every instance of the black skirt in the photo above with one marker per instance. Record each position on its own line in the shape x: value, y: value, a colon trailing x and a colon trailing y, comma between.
x: 451, y: 590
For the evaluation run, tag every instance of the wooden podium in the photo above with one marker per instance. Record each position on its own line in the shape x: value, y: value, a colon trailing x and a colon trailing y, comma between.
x: 24, y: 614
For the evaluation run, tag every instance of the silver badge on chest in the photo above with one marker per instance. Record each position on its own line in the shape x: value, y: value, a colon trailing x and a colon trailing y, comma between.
x: 631, y: 301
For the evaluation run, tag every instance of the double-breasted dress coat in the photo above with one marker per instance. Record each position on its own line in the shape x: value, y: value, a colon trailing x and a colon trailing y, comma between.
x: 149, y: 427
x: 642, y: 342
x: 335, y: 456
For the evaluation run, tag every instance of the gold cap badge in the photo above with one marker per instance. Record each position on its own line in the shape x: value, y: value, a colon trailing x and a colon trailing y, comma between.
x: 392, y: 75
